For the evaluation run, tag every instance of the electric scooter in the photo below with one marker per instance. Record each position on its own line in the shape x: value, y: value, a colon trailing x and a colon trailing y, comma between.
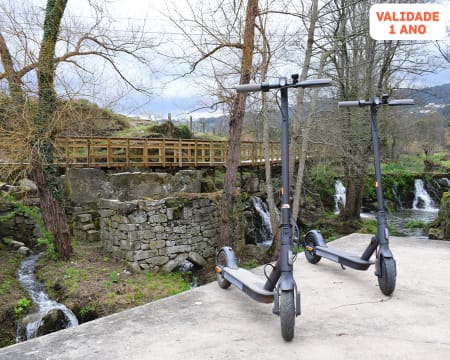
x: 385, y: 265
x: 279, y: 287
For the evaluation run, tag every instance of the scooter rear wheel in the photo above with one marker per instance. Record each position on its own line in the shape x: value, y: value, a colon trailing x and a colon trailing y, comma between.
x: 287, y: 314
x: 310, y: 242
x: 388, y: 274
x: 221, y: 262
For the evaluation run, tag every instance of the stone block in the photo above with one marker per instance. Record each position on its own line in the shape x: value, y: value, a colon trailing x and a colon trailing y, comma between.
x: 126, y: 227
x: 179, y: 249
x: 84, y: 218
x: 83, y: 186
x: 139, y: 185
x: 138, y: 217
x: 86, y: 227
x: 157, y: 244
x: 143, y: 265
x: 169, y: 214
x: 158, y: 219
x: 158, y: 229
x: 106, y: 213
x: 158, y: 260
x: 93, y: 236
x: 175, y: 263
x: 196, y: 259
x: 179, y: 229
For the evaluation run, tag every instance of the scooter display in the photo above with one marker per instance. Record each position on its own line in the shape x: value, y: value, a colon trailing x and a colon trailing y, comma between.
x: 385, y: 265
x: 279, y: 287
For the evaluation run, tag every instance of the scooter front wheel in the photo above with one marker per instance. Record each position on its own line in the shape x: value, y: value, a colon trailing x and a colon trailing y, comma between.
x: 287, y: 314
x: 386, y: 279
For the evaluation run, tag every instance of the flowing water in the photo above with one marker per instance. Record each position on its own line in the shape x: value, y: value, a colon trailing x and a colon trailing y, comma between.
x: 401, y: 219
x: 422, y: 200
x: 263, y: 232
x: 339, y: 196
x: 35, y: 291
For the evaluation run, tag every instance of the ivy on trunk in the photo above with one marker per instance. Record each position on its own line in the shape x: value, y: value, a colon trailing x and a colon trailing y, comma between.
x: 43, y: 172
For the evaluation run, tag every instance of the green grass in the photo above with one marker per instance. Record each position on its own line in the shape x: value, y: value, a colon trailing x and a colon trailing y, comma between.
x: 250, y: 264
x: 5, y: 286
x: 21, y: 306
x: 73, y: 277
x: 415, y: 224
x: 406, y: 165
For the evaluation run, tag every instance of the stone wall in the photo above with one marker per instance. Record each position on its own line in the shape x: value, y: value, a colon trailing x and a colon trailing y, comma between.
x: 153, y: 234
x: 17, y: 225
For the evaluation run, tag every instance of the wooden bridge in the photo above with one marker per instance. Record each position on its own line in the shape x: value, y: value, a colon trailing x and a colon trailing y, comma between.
x: 140, y: 152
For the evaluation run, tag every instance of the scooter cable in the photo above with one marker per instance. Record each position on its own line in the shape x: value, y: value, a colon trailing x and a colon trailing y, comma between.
x: 264, y: 268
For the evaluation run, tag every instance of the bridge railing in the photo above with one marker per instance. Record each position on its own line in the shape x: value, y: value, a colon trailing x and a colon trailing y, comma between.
x: 135, y: 152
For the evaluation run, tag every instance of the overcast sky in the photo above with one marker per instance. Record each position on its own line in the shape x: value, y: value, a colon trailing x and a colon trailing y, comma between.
x: 178, y: 96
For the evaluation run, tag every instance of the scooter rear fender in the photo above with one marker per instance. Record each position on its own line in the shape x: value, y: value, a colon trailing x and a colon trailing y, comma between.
x: 230, y: 258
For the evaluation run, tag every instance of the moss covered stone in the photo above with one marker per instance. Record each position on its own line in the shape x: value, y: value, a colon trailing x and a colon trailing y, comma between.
x: 440, y: 228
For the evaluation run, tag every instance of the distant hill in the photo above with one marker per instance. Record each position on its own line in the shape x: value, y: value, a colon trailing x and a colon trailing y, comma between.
x: 438, y: 95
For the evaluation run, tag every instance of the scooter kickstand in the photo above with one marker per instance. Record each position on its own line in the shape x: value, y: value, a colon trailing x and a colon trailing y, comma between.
x: 343, y: 267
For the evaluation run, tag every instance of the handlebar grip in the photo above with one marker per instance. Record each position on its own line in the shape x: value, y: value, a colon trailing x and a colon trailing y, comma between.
x: 401, y: 102
x: 248, y: 88
x: 349, y: 103
x: 315, y: 83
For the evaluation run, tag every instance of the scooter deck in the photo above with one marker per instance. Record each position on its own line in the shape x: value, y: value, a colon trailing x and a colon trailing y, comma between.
x: 249, y: 283
x: 342, y: 257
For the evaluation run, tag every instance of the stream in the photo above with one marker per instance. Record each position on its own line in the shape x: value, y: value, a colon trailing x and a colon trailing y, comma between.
x: 35, y: 291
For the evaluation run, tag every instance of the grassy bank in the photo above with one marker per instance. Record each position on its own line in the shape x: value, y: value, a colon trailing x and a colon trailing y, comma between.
x: 91, y: 284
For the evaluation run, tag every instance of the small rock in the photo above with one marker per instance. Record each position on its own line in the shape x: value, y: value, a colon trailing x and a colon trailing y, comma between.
x: 16, y: 244
x: 28, y: 185
x: 196, y: 259
x: 23, y: 250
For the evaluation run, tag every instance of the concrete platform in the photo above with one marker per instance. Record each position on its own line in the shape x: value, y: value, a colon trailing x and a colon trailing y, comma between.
x: 344, y: 316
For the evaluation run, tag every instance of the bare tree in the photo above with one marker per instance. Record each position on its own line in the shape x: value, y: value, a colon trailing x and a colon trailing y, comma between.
x: 362, y: 68
x: 29, y: 132
x: 236, y: 122
x: 221, y: 37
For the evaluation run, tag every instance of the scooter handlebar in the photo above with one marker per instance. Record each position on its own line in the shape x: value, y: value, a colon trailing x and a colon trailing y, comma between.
x: 401, y: 102
x: 358, y: 103
x: 267, y: 86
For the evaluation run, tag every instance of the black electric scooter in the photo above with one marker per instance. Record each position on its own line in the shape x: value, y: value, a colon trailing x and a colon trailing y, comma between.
x: 385, y: 266
x: 278, y: 287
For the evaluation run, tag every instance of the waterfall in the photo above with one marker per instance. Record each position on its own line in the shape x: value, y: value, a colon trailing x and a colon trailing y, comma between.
x: 422, y: 200
x: 339, y: 196
x: 36, y: 292
x: 263, y: 227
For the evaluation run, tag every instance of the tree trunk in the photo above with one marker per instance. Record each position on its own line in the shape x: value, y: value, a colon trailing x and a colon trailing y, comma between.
x: 52, y: 213
x: 236, y: 121
x: 295, y: 144
x: 43, y: 172
x: 14, y: 83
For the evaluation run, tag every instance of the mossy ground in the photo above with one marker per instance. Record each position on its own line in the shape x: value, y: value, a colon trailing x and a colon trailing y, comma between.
x: 10, y: 295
